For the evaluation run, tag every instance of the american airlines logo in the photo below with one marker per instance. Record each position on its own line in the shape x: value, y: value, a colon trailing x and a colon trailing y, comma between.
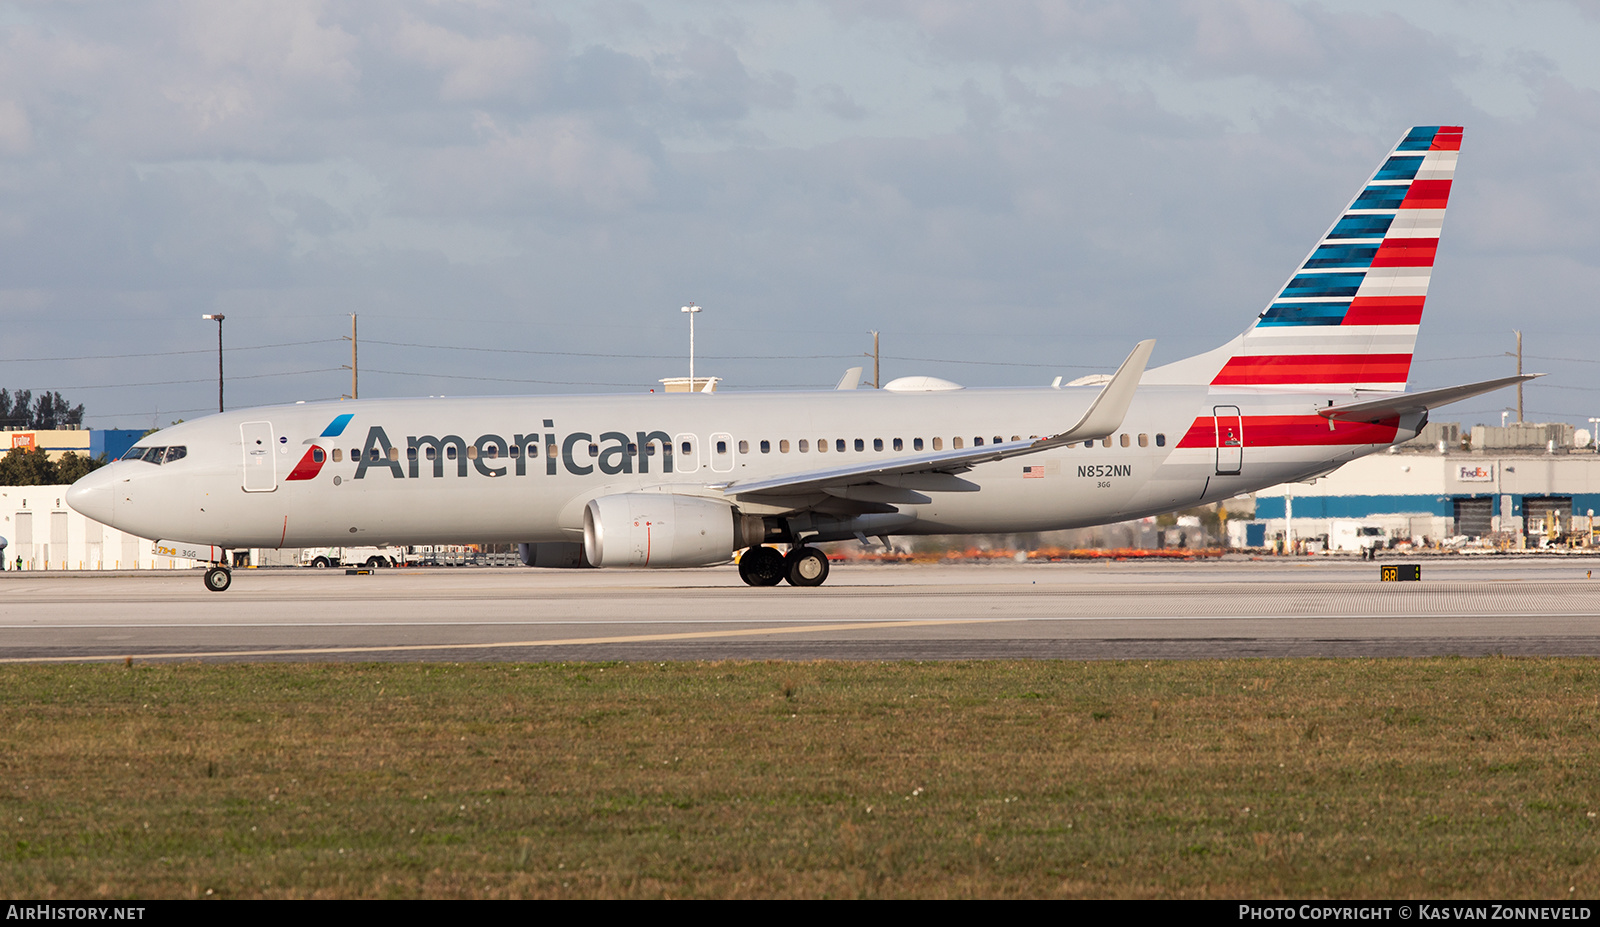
x: 492, y: 455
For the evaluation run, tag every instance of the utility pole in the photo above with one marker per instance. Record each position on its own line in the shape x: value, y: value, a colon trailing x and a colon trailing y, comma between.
x: 354, y: 370
x: 877, y: 379
x: 693, y: 310
x: 217, y: 318
x: 1519, y: 373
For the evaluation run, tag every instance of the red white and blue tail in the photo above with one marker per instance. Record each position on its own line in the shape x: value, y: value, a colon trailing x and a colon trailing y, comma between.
x: 1348, y: 317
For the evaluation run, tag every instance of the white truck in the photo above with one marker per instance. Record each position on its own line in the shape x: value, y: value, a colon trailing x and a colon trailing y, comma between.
x: 323, y: 557
x: 1364, y: 539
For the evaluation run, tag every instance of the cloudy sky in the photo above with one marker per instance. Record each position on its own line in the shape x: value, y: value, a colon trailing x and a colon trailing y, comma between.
x: 519, y: 197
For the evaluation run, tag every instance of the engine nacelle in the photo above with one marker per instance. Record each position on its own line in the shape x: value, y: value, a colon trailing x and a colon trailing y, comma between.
x: 650, y: 529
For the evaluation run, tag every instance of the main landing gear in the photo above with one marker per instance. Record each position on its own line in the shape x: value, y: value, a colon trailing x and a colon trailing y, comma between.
x: 764, y: 566
x: 219, y: 578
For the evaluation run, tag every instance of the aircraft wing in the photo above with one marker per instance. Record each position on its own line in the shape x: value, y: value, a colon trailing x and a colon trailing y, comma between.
x: 1397, y: 404
x: 1103, y: 418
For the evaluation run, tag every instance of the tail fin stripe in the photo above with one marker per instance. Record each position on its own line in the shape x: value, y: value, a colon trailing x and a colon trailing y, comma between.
x: 1400, y: 167
x: 1385, y: 310
x: 1406, y: 252
x: 1306, y: 369
x: 1427, y: 194
x: 1386, y: 196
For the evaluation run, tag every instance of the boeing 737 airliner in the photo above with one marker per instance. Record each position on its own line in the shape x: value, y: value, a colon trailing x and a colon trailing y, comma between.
x: 684, y: 480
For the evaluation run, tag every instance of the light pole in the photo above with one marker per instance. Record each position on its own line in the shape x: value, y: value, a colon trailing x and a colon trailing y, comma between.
x: 218, y: 317
x: 693, y: 310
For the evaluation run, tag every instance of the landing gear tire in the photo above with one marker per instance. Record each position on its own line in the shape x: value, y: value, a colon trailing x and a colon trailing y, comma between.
x: 218, y: 579
x: 762, y: 566
x: 806, y: 566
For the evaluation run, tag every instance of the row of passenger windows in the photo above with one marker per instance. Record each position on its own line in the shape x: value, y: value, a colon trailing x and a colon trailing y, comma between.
x: 784, y: 446
x: 156, y: 455
x: 937, y: 444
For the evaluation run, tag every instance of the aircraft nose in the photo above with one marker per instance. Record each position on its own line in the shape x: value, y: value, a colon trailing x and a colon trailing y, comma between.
x: 92, y: 496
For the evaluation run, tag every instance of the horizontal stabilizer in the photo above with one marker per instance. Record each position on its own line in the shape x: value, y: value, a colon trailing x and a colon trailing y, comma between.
x: 1397, y: 404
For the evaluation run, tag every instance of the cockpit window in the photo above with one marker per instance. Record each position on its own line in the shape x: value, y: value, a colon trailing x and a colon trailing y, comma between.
x: 156, y: 455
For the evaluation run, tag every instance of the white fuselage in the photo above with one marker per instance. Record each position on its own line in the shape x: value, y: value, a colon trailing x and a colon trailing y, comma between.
x: 243, y: 478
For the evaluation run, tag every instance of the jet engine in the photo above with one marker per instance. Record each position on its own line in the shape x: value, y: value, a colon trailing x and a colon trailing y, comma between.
x: 650, y: 529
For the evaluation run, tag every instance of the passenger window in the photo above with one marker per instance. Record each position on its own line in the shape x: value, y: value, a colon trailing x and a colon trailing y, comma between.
x: 338, y: 455
x: 877, y: 444
x: 783, y: 446
x: 633, y: 450
x: 1013, y: 437
x: 805, y: 446
x: 722, y: 447
x: 744, y: 447
x: 938, y: 444
x: 317, y: 456
x: 916, y: 444
x: 686, y: 450
x: 822, y: 445
x: 411, y: 454
x: 1124, y: 439
x: 766, y: 447
x: 394, y: 453
x: 999, y: 440
x: 432, y: 453
x: 472, y: 452
x: 549, y: 451
x: 978, y: 441
x: 355, y: 454
x: 1144, y: 440
x: 955, y: 443
x: 838, y: 444
x: 450, y: 452
x: 1161, y: 440
x: 515, y: 450
x: 594, y: 451
x: 860, y: 445
x: 899, y: 445
x: 1106, y: 441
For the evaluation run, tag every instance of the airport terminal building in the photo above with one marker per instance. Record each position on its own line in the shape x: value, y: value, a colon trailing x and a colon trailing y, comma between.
x: 1518, y: 486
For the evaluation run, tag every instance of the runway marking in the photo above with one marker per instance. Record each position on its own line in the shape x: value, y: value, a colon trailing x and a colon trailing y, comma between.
x: 576, y: 641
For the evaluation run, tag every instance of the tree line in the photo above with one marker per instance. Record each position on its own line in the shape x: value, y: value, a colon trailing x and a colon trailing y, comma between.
x: 49, y: 412
x: 26, y: 466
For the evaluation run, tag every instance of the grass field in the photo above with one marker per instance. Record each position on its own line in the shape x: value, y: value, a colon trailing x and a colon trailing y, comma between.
x: 1245, y: 778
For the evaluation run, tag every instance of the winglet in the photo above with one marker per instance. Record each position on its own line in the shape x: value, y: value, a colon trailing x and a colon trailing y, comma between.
x: 851, y: 379
x: 1106, y: 413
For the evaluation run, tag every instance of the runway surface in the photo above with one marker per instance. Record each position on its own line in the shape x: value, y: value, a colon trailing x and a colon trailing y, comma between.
x: 1089, y: 610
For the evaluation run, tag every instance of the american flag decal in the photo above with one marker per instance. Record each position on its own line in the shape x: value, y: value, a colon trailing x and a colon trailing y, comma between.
x: 1033, y: 473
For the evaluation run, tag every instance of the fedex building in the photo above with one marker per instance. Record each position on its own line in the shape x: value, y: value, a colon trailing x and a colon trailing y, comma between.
x: 1492, y: 483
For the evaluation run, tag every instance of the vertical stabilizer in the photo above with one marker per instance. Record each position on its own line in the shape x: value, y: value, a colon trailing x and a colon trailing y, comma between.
x: 1348, y: 318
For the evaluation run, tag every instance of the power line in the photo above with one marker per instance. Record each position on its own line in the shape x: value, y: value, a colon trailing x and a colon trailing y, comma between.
x: 450, y: 347
x: 253, y: 376
x: 248, y: 347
